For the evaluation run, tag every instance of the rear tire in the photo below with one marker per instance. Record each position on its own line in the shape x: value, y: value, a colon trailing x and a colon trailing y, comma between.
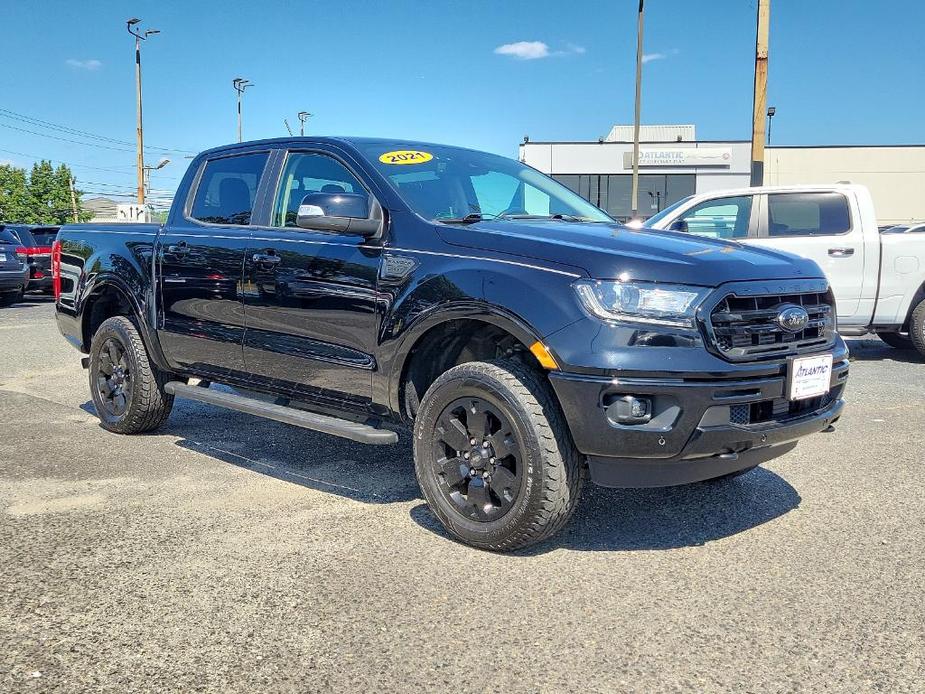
x: 917, y: 328
x: 127, y: 389
x: 897, y: 340
x: 528, y: 475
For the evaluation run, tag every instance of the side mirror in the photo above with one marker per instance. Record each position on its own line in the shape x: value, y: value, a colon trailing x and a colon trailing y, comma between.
x: 678, y: 225
x: 345, y: 213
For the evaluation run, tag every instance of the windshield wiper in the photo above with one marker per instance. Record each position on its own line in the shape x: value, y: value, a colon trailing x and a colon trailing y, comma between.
x: 558, y: 216
x: 470, y: 218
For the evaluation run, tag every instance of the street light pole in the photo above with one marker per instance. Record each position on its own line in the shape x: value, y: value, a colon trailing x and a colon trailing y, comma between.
x: 240, y: 84
x: 131, y: 25
x: 303, y: 117
x: 635, y: 200
x: 771, y: 112
x: 148, y: 169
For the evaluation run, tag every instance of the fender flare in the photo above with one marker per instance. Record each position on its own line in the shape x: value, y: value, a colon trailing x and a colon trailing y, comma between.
x: 108, y: 281
x: 444, y: 313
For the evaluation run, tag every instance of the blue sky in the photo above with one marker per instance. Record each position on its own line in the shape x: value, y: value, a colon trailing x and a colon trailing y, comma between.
x: 841, y: 72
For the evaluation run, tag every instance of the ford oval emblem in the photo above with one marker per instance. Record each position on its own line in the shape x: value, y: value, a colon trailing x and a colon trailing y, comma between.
x: 792, y: 318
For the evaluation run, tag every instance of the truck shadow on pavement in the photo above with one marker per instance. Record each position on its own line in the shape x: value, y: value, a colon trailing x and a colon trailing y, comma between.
x: 617, y: 520
x: 606, y: 519
x: 876, y: 350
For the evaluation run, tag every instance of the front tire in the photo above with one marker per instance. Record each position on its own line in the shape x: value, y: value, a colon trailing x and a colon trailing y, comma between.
x: 520, y: 480
x: 127, y: 390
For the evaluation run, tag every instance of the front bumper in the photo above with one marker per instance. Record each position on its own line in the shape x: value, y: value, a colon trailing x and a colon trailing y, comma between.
x: 701, y: 428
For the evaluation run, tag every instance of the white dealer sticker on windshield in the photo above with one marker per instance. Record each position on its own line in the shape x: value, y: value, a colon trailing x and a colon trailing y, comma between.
x: 810, y: 377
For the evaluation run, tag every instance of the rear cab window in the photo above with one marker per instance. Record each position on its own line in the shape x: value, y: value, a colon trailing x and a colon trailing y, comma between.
x: 227, y: 189
x: 808, y: 214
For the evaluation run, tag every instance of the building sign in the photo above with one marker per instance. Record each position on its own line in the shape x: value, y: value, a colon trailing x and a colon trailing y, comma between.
x: 680, y: 156
x: 130, y: 212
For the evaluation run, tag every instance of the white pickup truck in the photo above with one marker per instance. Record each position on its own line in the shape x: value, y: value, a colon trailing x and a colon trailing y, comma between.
x: 878, y: 279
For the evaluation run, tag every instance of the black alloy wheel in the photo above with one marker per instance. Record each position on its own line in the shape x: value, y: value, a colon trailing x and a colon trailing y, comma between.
x: 477, y: 459
x: 114, y: 380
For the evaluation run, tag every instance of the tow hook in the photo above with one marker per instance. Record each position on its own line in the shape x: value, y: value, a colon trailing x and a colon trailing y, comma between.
x: 829, y: 429
x: 85, y: 362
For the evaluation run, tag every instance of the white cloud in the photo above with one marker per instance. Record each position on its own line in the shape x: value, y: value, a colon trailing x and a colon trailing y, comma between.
x: 532, y: 50
x: 649, y: 57
x: 91, y: 64
x: 524, y: 50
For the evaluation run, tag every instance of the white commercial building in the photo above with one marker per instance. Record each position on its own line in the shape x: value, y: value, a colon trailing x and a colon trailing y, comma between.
x: 673, y: 164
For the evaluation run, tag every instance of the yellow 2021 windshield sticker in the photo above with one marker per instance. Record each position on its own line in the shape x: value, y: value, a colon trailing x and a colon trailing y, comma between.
x: 406, y: 156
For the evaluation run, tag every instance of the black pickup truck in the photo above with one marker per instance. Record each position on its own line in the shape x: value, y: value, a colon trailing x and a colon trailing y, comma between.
x: 524, y: 338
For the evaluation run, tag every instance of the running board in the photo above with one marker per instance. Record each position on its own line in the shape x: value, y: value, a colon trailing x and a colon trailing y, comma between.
x: 300, y: 418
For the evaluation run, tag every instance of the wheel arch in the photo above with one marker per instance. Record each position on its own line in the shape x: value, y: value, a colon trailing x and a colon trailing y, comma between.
x: 109, y: 295
x: 448, y: 335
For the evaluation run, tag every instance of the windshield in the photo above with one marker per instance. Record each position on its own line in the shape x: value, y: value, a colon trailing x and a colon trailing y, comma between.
x: 656, y: 218
x: 452, y: 184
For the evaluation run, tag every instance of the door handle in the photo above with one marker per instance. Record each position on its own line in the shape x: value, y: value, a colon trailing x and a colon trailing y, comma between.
x: 841, y: 252
x: 266, y: 259
x: 181, y: 248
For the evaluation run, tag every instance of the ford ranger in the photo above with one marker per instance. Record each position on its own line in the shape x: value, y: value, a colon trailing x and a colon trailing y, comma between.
x: 524, y: 339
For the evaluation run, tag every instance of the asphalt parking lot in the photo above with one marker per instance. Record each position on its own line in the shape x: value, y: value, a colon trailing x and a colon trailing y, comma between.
x: 227, y: 553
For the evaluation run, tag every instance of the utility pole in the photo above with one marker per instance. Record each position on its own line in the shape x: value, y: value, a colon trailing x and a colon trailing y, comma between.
x: 70, y: 182
x: 240, y: 84
x: 761, y: 91
x: 303, y: 117
x: 140, y: 165
x: 635, y: 201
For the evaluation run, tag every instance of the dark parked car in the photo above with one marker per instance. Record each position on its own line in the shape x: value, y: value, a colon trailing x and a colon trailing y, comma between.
x: 35, y: 246
x: 524, y: 337
x: 14, y: 273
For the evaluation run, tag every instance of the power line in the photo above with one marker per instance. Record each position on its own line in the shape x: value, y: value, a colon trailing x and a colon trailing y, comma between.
x: 31, y: 120
x: 70, y: 164
x: 64, y: 139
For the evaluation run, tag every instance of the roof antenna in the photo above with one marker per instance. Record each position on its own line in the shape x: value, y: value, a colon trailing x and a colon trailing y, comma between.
x: 287, y: 127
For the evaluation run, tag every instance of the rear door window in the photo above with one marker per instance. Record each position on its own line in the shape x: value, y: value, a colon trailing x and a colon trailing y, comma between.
x: 228, y: 189
x: 808, y: 214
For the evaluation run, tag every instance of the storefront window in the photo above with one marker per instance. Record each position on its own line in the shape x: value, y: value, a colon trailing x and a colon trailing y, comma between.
x: 613, y: 193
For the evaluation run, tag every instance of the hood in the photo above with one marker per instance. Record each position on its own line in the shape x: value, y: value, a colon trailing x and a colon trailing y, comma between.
x: 607, y: 251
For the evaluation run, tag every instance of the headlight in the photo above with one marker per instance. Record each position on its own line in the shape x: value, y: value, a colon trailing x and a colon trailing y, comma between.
x: 641, y: 302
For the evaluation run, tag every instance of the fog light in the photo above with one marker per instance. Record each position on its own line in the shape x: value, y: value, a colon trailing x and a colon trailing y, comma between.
x: 629, y: 409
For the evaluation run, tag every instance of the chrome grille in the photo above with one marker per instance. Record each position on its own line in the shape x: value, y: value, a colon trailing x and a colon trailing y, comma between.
x: 744, y: 328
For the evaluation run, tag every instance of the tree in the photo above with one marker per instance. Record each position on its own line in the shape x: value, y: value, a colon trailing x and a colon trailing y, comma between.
x: 15, y: 203
x: 42, y: 198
